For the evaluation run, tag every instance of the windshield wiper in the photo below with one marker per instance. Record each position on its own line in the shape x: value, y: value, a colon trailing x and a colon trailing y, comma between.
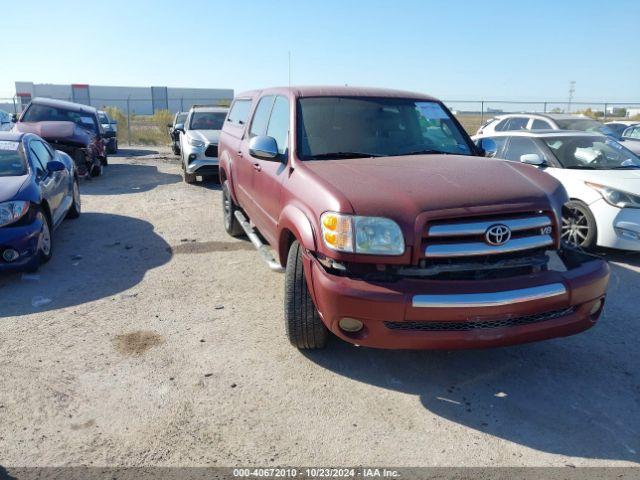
x: 622, y: 167
x: 424, y: 152
x: 581, y: 167
x: 338, y: 155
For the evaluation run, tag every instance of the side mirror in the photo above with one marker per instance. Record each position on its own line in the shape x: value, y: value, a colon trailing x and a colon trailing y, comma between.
x: 489, y: 146
x: 169, y: 125
x: 14, y: 117
x: 55, y: 166
x: 179, y: 127
x: 263, y: 147
x: 114, y: 122
x: 532, y: 159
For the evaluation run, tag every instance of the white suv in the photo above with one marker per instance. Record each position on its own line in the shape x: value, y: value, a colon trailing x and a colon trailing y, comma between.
x: 542, y: 121
x: 199, y: 141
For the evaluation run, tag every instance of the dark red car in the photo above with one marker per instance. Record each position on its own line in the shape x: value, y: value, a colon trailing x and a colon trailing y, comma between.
x: 69, y: 127
x: 392, y: 231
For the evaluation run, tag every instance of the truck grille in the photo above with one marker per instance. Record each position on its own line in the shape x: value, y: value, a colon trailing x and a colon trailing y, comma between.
x: 488, y: 236
x: 478, y: 324
x: 211, y: 151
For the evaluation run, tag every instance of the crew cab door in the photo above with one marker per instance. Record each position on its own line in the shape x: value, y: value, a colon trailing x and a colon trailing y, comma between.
x: 268, y: 175
x: 247, y: 165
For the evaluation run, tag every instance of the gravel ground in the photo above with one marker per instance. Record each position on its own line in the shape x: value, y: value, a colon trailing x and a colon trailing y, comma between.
x: 153, y: 338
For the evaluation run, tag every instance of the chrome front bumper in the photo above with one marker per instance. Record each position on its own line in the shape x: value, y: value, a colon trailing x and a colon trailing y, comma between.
x: 490, y: 299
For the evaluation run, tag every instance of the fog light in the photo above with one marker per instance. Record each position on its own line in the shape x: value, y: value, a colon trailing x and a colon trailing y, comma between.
x: 596, y: 307
x: 350, y: 325
x: 10, y: 255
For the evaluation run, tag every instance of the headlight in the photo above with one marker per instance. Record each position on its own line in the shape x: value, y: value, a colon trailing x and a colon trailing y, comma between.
x: 617, y: 198
x: 196, y: 143
x: 355, y: 234
x: 11, y: 212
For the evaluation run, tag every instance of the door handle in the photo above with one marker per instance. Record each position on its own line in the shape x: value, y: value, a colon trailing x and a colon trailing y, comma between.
x: 257, y: 167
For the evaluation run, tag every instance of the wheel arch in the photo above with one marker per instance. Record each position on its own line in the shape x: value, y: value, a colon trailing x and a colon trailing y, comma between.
x: 294, y: 225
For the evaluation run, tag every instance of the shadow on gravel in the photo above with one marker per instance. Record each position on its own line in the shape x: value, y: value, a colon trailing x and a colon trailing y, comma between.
x: 4, y: 475
x: 96, y: 256
x: 575, y: 396
x: 123, y: 178
x: 134, y: 152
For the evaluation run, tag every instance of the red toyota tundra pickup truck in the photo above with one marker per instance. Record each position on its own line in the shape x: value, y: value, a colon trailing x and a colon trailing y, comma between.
x: 392, y: 231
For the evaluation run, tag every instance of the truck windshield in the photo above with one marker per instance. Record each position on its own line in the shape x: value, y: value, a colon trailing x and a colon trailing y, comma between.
x: 11, y: 162
x: 355, y: 127
x: 591, y: 153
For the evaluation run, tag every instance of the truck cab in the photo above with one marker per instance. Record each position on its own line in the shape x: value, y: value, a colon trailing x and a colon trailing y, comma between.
x: 391, y: 230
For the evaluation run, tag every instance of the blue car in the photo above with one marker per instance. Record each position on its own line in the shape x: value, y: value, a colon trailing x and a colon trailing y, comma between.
x: 38, y: 190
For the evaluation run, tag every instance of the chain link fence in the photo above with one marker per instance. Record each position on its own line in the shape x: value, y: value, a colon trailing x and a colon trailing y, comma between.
x: 139, y: 123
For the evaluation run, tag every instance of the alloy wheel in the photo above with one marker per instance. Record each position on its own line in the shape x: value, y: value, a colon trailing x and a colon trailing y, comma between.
x: 575, y: 227
x: 44, y: 242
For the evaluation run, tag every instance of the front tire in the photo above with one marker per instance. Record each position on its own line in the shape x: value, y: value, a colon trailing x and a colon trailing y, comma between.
x: 76, y: 206
x: 45, y: 239
x: 231, y: 224
x: 305, y: 329
x: 579, y: 227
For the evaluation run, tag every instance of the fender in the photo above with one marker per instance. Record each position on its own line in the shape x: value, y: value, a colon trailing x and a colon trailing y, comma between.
x: 225, y: 167
x: 294, y: 220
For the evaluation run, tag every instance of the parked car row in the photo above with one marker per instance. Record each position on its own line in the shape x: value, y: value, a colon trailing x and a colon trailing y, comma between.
x: 38, y: 190
x: 50, y: 146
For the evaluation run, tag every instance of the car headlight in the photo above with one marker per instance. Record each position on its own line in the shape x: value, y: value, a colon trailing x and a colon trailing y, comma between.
x: 356, y: 234
x: 617, y: 198
x: 11, y: 212
x: 196, y: 143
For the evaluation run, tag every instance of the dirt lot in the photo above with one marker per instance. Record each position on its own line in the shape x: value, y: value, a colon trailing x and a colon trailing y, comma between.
x: 152, y: 338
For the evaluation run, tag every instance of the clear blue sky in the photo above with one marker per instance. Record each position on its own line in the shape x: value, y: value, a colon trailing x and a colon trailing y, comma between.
x: 449, y: 48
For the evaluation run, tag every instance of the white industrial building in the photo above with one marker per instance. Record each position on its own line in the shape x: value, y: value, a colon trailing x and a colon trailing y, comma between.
x: 135, y: 100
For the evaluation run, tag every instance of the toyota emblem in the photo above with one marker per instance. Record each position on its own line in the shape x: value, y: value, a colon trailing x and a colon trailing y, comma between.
x: 497, y: 235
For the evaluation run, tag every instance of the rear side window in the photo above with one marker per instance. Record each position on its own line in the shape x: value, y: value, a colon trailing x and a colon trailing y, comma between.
x: 540, y: 125
x: 516, y: 123
x: 239, y: 112
x: 261, y: 116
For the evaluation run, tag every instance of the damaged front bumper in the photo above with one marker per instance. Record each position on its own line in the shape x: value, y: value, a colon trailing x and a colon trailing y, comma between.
x: 425, y: 313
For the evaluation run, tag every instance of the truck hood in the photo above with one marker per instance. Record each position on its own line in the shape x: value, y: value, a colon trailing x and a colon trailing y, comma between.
x: 51, y: 131
x: 10, y: 186
x: 404, y: 187
x: 210, y: 136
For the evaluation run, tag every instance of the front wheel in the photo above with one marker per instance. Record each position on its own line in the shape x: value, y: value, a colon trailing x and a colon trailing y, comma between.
x: 578, y: 225
x: 76, y: 206
x: 305, y: 329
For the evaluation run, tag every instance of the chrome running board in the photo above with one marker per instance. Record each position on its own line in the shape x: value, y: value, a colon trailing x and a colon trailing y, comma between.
x: 263, y: 250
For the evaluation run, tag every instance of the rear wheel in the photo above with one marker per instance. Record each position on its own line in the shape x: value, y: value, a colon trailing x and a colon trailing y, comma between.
x: 305, y: 329
x: 231, y: 224
x: 578, y: 225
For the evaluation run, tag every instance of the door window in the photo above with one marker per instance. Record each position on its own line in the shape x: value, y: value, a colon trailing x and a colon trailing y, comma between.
x: 261, y: 116
x: 279, y: 123
x: 519, y: 146
x: 239, y: 112
x: 540, y: 125
x: 41, y: 156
